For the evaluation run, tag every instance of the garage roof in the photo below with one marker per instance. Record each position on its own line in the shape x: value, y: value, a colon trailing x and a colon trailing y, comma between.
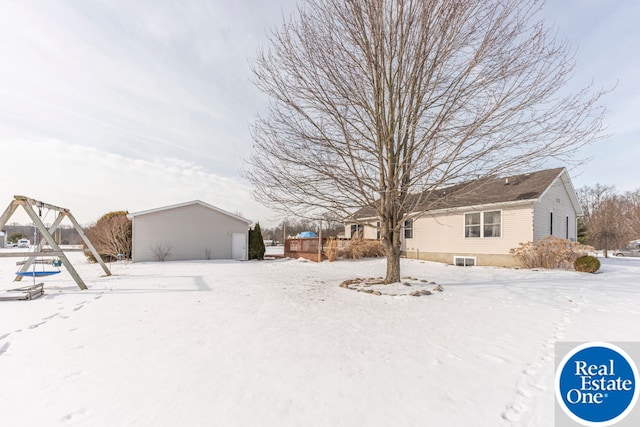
x: 193, y: 202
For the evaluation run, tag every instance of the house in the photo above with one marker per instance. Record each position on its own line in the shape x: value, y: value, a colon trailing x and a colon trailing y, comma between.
x: 188, y: 231
x: 479, y: 222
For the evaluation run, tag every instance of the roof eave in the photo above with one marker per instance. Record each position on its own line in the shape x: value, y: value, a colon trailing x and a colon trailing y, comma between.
x: 181, y: 205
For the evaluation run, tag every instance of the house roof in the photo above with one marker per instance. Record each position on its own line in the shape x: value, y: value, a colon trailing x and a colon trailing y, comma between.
x: 491, y: 190
x: 193, y: 202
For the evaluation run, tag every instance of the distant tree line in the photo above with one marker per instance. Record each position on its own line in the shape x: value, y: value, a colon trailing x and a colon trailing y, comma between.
x: 64, y: 235
x: 611, y: 219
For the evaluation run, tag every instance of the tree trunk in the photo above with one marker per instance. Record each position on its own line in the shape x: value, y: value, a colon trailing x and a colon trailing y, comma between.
x: 391, y: 244
x: 393, y: 265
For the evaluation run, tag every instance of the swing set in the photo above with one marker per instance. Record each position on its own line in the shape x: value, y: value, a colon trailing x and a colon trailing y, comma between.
x: 31, y: 258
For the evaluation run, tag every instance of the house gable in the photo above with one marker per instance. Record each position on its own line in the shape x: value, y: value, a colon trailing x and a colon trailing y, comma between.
x: 557, y: 210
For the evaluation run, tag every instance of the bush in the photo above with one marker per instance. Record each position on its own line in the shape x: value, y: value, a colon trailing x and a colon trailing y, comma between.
x: 331, y: 249
x: 110, y: 235
x: 587, y: 264
x: 360, y: 248
x: 550, y: 252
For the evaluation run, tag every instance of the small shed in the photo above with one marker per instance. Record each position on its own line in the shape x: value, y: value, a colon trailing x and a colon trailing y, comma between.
x: 188, y: 231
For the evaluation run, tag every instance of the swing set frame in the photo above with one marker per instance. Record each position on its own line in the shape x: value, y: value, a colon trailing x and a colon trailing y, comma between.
x: 47, y: 236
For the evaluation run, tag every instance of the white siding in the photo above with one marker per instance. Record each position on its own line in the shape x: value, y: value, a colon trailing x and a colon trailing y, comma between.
x: 192, y: 232
x: 555, y: 200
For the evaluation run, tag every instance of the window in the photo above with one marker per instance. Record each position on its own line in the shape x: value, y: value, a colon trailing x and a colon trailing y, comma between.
x: 408, y: 229
x: 483, y: 224
x: 378, y: 230
x: 357, y: 231
x: 492, y: 224
x: 551, y: 223
x: 461, y: 261
x: 472, y: 225
x: 567, y: 228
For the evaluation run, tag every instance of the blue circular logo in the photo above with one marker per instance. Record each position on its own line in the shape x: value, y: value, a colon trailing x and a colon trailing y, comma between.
x: 596, y: 384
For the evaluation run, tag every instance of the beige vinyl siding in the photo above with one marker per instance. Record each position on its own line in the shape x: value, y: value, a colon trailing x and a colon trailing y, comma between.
x: 444, y: 232
x: 192, y: 231
x: 370, y: 230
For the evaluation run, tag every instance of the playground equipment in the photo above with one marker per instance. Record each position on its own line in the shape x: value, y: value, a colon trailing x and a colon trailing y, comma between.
x: 31, y: 257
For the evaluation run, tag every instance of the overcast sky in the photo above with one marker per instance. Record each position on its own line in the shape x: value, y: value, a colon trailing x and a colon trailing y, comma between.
x: 136, y: 104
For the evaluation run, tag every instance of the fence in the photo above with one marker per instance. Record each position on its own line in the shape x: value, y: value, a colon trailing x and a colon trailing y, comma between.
x: 306, y: 248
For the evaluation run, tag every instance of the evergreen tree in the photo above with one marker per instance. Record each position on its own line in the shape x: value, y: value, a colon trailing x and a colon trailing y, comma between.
x: 256, y: 243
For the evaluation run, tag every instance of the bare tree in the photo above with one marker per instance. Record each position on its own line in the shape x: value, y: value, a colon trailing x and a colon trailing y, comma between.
x: 611, y: 219
x: 608, y: 226
x: 378, y: 103
x: 591, y: 197
x: 111, y: 235
x: 632, y: 211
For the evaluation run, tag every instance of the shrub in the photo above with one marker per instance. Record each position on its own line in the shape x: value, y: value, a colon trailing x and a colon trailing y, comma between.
x: 587, y: 264
x: 373, y: 249
x: 550, y: 252
x: 331, y: 249
x: 161, y: 251
x: 110, y: 235
x: 360, y: 248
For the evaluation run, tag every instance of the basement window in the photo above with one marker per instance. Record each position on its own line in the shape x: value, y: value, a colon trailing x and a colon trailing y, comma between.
x: 462, y: 261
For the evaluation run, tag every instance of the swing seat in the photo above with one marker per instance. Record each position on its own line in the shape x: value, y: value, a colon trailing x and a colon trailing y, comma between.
x: 36, y: 273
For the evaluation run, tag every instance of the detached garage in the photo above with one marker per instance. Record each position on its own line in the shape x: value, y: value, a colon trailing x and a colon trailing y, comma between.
x: 188, y: 231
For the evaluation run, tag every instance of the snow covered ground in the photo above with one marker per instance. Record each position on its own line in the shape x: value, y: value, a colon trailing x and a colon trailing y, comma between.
x: 279, y: 343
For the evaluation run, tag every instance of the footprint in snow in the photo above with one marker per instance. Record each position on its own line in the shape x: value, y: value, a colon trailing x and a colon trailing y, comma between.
x: 4, y: 348
x: 51, y: 317
x: 72, y: 375
x: 74, y: 414
x: 35, y: 325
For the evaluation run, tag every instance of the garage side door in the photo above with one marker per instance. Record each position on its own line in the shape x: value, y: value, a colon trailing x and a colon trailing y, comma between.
x: 239, y: 246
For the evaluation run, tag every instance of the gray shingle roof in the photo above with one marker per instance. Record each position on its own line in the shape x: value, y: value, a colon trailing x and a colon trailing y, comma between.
x: 490, y: 190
